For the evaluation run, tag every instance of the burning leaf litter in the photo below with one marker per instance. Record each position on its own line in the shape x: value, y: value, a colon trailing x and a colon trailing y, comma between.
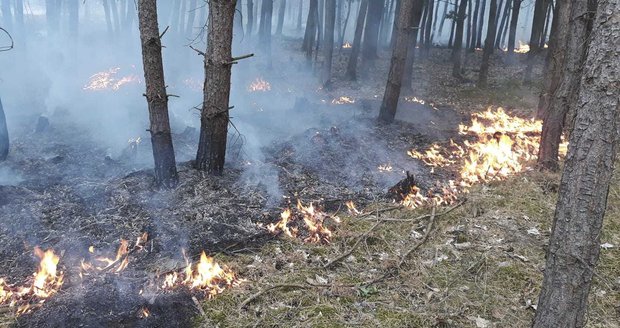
x: 259, y: 85
x: 45, y: 283
x: 121, y: 261
x: 305, y: 222
x: 108, y: 80
x: 343, y: 100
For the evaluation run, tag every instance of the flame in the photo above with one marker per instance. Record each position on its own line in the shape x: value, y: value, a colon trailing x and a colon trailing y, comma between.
x: 107, y: 80
x: 415, y: 100
x: 523, y: 48
x: 144, y: 313
x: 385, y: 168
x: 308, y: 223
x: 45, y: 283
x: 351, y: 208
x: 347, y: 45
x: 207, y: 275
x: 343, y: 100
x: 121, y: 260
x: 503, y: 145
x: 259, y: 85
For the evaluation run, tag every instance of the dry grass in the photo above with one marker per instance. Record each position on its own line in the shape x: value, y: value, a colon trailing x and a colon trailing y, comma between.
x: 480, y: 263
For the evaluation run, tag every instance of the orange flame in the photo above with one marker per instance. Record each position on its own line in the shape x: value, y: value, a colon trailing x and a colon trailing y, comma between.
x: 308, y: 220
x: 107, y: 80
x: 259, y: 85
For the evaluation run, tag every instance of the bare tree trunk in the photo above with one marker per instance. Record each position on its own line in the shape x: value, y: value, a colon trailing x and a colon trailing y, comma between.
x: 574, y: 245
x: 453, y: 25
x: 488, y: 46
x: 339, y: 9
x: 371, y: 31
x: 281, y: 12
x: 543, y: 37
x: 480, y: 25
x: 416, y: 17
x: 311, y: 29
x: 357, y: 41
x: 300, y: 14
x: 218, y: 63
x: 502, y: 26
x: 108, y: 17
x: 344, y: 28
x: 429, y: 28
x: 516, y: 8
x: 443, y: 19
x: 564, y: 83
x: 474, y: 28
x: 399, y: 56
x: 265, y: 28
x: 4, y: 135
x: 115, y: 17
x: 250, y: 24
x: 458, y: 40
x: 321, y: 20
x: 156, y: 96
x: 328, y: 46
x: 395, y: 24
x: 537, y: 25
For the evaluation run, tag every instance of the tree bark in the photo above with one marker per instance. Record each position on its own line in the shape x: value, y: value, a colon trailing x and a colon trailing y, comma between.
x: 371, y: 31
x: 311, y: 29
x: 399, y: 56
x: 514, y: 18
x: 565, y: 80
x: 357, y: 41
x: 458, y: 40
x: 488, y: 46
x: 328, y: 46
x: 344, y: 27
x: 428, y: 42
x: 474, y: 28
x: 300, y: 14
x: 500, y: 30
x: 218, y: 63
x: 281, y: 12
x: 416, y: 17
x: 443, y: 19
x: 574, y: 245
x: 537, y: 25
x: 480, y: 25
x: 250, y: 24
x: 4, y: 135
x: 156, y: 96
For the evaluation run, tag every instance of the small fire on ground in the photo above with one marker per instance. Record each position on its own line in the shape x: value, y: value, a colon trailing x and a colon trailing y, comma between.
x: 259, y: 85
x: 45, y: 283
x: 344, y: 100
x: 501, y: 145
x: 347, y: 45
x: 305, y: 222
x: 109, y: 80
x: 116, y: 264
x: 206, y: 276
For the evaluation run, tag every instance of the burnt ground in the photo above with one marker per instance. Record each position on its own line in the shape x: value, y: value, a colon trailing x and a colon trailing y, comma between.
x: 64, y: 191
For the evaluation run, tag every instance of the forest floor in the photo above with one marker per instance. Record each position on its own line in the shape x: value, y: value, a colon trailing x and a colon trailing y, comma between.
x: 480, y: 265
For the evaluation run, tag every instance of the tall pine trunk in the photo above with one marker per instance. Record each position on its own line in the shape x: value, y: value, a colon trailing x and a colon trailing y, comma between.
x: 214, y: 118
x: 357, y: 41
x: 457, y: 61
x: 488, y: 46
x: 371, y: 31
x: 156, y: 96
x: 4, y: 135
x: 281, y: 12
x: 537, y: 25
x: 480, y: 25
x: 564, y: 84
x: 328, y: 45
x: 416, y: 17
x: 397, y: 64
x: 514, y: 18
x: 250, y: 12
x: 574, y: 245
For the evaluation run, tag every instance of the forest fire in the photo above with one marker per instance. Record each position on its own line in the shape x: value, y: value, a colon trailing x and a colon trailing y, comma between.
x: 45, y: 283
x: 207, y: 276
x: 347, y: 45
x: 504, y: 145
x: 108, y: 80
x: 523, y: 48
x: 116, y: 264
x: 343, y: 100
x: 259, y: 85
x: 307, y: 223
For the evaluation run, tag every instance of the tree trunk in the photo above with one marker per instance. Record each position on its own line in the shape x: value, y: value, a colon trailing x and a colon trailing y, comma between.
x: 543, y: 37
x: 429, y: 27
x: 537, y: 25
x: 488, y: 46
x: 339, y: 10
x: 311, y: 29
x: 328, y: 45
x: 458, y: 40
x: 399, y: 56
x: 453, y: 25
x: 395, y: 24
x: 281, y: 12
x: 218, y: 63
x: 474, y: 28
x: 574, y: 245
x: 371, y: 31
x: 480, y: 25
x: 321, y: 20
x: 416, y: 17
x: 443, y: 19
x: 565, y: 79
x: 502, y: 26
x: 115, y: 16
x: 300, y: 14
x: 344, y: 28
x: 156, y: 97
x: 265, y: 29
x: 250, y: 24
x: 4, y: 135
x: 514, y: 18
x: 357, y: 41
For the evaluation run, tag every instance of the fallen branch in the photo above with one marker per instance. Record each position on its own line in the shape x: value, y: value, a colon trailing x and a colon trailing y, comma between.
x: 359, y: 240
x: 264, y: 291
x: 429, y: 227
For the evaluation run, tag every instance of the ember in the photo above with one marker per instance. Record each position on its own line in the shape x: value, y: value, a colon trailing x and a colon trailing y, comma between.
x: 523, y: 48
x: 351, y: 208
x: 347, y: 45
x: 46, y: 282
x: 107, y: 80
x: 207, y: 276
x: 308, y: 223
x: 259, y: 85
x: 116, y: 264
